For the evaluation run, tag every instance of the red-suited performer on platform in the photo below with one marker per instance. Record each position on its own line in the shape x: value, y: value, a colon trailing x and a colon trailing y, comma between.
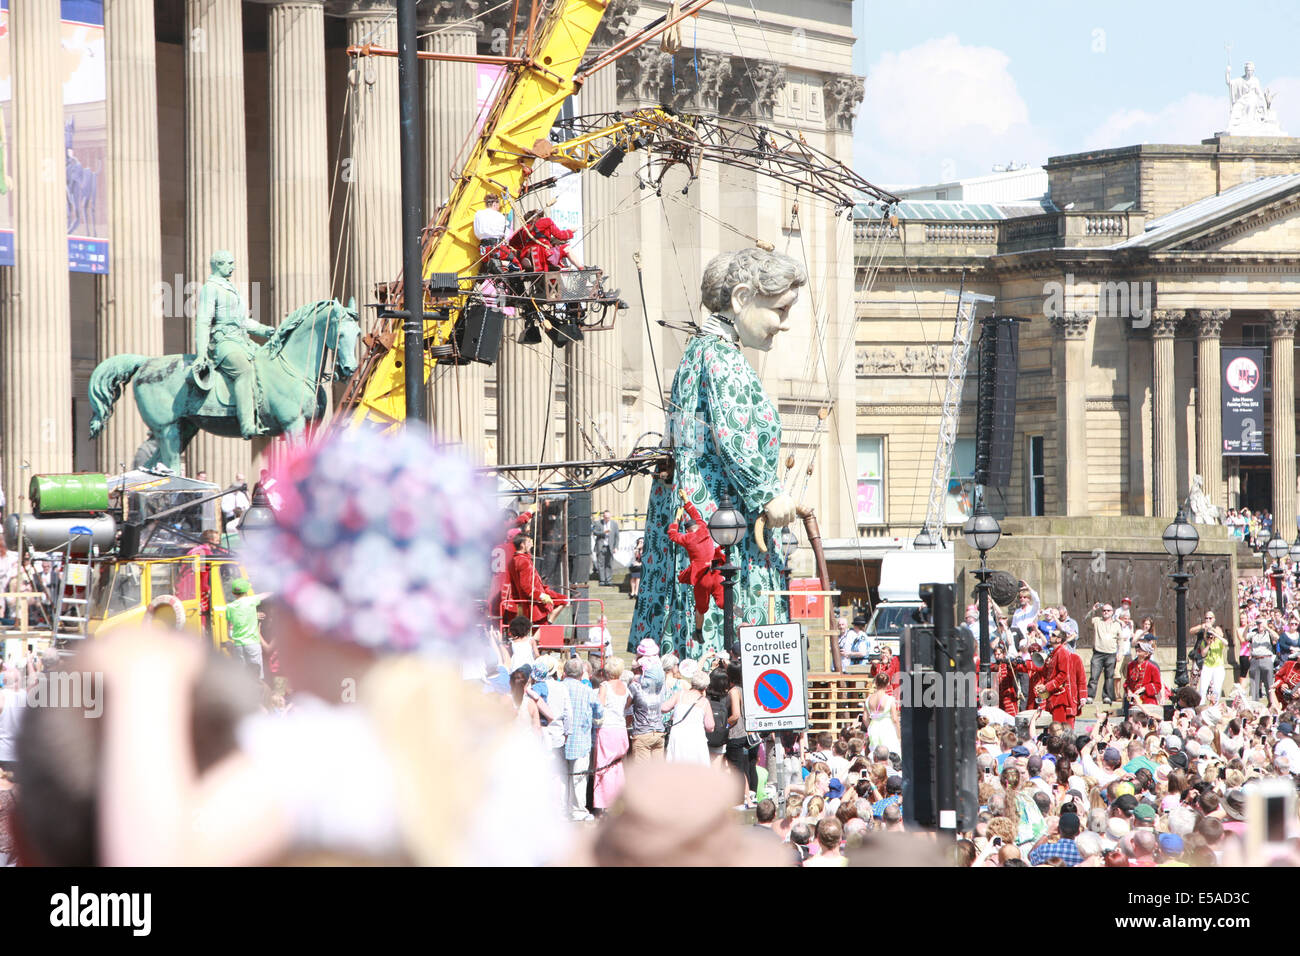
x: 1056, y: 687
x: 529, y: 594
x: 502, y: 557
x: 702, y: 573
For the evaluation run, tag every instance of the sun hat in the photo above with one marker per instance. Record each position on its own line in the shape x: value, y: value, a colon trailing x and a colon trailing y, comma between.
x: 383, y: 541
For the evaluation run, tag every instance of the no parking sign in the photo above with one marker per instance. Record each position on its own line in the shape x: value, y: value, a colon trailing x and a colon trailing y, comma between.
x: 776, y: 689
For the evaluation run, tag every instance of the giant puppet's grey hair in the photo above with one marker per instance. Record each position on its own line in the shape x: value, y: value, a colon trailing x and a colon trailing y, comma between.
x: 767, y: 273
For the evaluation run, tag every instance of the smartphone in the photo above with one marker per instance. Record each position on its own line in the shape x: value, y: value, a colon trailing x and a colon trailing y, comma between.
x: 1270, y: 821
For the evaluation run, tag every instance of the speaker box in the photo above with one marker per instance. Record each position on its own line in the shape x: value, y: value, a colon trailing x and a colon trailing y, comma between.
x: 964, y: 715
x: 917, y: 725
x: 580, y: 550
x: 995, y: 427
x: 478, y: 334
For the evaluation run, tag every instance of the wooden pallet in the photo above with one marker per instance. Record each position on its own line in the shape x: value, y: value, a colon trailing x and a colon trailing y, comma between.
x: 837, y: 699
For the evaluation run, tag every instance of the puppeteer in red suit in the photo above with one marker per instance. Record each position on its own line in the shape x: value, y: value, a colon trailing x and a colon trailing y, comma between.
x: 706, y: 557
x: 1055, y: 686
x: 529, y: 595
x: 502, y: 556
x: 1142, y: 682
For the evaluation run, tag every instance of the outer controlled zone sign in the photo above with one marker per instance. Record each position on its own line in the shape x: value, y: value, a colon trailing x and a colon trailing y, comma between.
x: 776, y: 688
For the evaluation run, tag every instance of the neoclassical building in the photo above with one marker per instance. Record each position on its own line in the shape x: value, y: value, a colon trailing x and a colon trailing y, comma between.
x: 1135, y: 270
x: 246, y: 126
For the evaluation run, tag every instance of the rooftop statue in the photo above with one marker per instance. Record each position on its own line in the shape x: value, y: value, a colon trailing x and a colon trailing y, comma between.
x: 1251, y: 107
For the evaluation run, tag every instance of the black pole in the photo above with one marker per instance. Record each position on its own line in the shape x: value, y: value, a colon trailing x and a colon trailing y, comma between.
x: 1277, y: 585
x: 986, y: 656
x: 728, y: 572
x: 408, y: 85
x: 1180, y: 593
x: 945, y: 760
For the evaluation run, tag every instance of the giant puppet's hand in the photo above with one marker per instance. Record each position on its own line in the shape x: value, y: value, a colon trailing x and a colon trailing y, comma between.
x: 779, y: 512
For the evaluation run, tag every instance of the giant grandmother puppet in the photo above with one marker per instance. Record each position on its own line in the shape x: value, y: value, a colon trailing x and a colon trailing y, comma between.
x: 724, y: 435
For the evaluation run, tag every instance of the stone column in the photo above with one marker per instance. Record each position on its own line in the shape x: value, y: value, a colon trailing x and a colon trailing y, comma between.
x: 1072, y: 412
x: 1164, y: 440
x: 36, y: 331
x: 216, y: 183
x: 131, y: 321
x: 1140, y: 493
x: 300, y: 156
x: 593, y: 401
x: 457, y: 392
x: 1209, y: 426
x: 375, y: 229
x: 1282, y: 333
x: 525, y: 419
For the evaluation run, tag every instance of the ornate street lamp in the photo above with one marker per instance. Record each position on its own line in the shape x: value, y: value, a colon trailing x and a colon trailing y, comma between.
x: 1295, y: 558
x: 982, y: 532
x: 1180, y: 540
x: 789, y: 545
x: 727, y: 526
x: 258, y: 519
x: 925, y: 541
x: 1277, y: 550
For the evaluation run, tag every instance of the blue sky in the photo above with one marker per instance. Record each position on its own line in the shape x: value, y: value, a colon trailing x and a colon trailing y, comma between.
x: 953, y: 88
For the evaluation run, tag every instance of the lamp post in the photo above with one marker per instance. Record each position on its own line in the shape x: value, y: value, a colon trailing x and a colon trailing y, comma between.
x: 982, y: 532
x: 1295, y: 558
x: 259, y: 517
x: 789, y: 545
x: 924, y: 541
x: 1180, y: 539
x: 1277, y: 550
x: 727, y: 526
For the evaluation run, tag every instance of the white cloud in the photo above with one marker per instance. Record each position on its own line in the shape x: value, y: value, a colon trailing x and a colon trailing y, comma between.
x: 1189, y: 119
x: 943, y: 110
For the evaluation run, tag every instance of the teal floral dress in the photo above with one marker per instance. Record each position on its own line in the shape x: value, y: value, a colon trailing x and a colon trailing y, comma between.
x: 725, y: 438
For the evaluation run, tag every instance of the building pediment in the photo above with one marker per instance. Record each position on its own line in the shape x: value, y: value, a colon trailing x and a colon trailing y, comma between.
x: 1259, y: 216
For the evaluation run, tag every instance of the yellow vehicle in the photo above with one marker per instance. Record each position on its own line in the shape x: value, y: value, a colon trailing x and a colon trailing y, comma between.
x: 127, y: 593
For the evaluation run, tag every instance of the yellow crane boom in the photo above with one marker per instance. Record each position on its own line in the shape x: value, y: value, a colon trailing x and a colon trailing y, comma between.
x: 518, y: 123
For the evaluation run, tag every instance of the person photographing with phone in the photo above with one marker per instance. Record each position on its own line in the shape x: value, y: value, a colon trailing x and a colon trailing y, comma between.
x: 1211, y: 649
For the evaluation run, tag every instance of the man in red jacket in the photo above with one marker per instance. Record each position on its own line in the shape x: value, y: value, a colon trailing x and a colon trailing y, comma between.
x: 502, y: 556
x: 1005, y: 673
x: 1288, y: 677
x: 1142, y: 683
x: 706, y: 557
x: 1077, y: 675
x: 529, y: 594
x: 1055, y: 688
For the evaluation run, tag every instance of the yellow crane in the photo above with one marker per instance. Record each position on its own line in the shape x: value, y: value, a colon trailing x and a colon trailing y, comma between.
x: 514, y: 138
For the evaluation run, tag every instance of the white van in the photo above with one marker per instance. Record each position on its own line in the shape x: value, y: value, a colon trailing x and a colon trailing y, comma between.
x: 901, y: 575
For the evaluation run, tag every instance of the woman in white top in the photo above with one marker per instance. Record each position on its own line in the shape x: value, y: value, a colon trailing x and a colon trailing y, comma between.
x: 881, y: 717
x: 611, y: 739
x: 692, y: 719
x: 523, y: 646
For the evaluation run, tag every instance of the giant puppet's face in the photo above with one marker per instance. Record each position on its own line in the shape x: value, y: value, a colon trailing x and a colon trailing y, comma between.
x: 760, y: 318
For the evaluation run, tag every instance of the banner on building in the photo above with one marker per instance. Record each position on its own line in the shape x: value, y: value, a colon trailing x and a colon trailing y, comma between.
x: 85, y: 136
x: 1242, y: 388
